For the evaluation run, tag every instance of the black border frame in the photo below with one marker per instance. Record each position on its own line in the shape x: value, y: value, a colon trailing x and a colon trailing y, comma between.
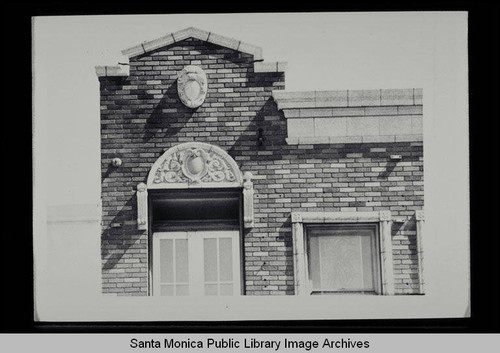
x: 17, y: 261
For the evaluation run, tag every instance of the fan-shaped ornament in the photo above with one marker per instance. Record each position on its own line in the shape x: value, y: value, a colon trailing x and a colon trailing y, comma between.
x: 192, y: 86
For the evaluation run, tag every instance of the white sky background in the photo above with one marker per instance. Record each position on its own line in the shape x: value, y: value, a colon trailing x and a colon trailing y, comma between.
x: 324, y: 52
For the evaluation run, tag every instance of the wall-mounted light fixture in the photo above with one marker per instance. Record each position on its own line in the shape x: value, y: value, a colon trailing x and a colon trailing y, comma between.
x: 116, y: 162
x: 260, y: 136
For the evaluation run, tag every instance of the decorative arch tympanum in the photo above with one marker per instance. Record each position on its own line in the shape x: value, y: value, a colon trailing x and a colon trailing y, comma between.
x: 195, y: 165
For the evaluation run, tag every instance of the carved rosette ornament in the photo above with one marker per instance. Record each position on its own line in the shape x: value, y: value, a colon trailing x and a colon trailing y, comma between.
x: 194, y: 165
x: 192, y: 86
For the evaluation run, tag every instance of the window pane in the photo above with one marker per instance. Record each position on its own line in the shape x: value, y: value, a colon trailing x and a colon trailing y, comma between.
x: 226, y: 259
x: 210, y: 259
x: 210, y: 289
x: 341, y: 259
x: 182, y: 289
x: 166, y: 261
x: 167, y: 289
x: 366, y: 250
x: 226, y: 289
x: 181, y: 261
x: 314, y: 267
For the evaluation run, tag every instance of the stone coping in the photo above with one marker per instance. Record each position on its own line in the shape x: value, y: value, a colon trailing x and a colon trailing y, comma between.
x: 312, y: 140
x: 348, y: 98
x: 112, y: 71
x: 341, y: 112
x: 192, y: 32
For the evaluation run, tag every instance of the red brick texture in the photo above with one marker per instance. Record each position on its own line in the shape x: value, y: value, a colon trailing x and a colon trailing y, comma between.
x: 142, y: 117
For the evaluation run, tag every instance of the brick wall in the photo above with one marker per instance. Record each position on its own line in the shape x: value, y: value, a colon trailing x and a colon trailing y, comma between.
x: 142, y: 116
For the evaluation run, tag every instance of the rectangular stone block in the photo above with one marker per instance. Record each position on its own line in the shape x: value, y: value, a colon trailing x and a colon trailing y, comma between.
x: 223, y: 41
x: 282, y: 66
x: 397, y: 96
x: 408, y: 138
x: 296, y: 104
x: 198, y: 33
x: 346, y: 139
x: 348, y: 111
x: 291, y: 113
x: 300, y: 127
x: 331, y: 99
x: 251, y: 49
x: 330, y: 126
x: 410, y: 110
x: 133, y: 51
x: 290, y: 95
x: 315, y: 112
x: 315, y: 139
x: 265, y: 67
x: 395, y: 125
x: 363, y: 98
x: 158, y: 43
x: 363, y: 126
x: 417, y: 96
x: 417, y: 125
x: 377, y: 111
x: 182, y: 34
x: 292, y: 140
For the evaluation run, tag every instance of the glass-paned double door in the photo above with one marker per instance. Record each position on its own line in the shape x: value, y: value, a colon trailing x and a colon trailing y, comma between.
x: 196, y: 263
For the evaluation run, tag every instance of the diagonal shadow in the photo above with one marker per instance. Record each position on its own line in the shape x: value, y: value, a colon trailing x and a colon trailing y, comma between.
x: 168, y: 116
x: 388, y: 170
x: 115, y: 241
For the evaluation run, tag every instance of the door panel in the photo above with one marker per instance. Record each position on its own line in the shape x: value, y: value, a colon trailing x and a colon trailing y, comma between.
x: 196, y: 263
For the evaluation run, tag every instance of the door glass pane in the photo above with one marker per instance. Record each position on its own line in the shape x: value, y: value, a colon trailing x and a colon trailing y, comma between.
x: 210, y: 259
x: 226, y: 259
x: 166, y: 261
x: 210, y: 289
x: 205, y: 257
x: 226, y: 289
x: 181, y: 261
x: 182, y: 289
x: 167, y: 289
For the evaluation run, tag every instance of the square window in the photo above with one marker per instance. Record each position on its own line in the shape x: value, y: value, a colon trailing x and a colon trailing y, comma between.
x: 343, y: 259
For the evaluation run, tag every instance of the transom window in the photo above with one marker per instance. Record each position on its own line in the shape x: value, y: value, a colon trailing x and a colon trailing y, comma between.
x: 343, y: 258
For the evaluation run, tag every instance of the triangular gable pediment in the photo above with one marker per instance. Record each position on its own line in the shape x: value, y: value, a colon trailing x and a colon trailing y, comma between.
x: 196, y: 33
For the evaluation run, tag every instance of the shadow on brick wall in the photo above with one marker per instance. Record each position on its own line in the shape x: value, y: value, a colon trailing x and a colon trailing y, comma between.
x: 273, y: 125
x: 116, y: 240
x: 168, y: 117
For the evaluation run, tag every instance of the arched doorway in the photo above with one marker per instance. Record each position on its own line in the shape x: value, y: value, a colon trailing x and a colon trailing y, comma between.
x: 195, y: 205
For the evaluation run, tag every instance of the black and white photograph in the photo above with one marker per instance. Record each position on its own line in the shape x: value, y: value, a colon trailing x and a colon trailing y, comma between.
x: 250, y: 167
x: 231, y: 171
x: 289, y: 180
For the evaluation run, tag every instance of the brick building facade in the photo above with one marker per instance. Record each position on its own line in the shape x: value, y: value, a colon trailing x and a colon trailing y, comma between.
x: 298, y: 180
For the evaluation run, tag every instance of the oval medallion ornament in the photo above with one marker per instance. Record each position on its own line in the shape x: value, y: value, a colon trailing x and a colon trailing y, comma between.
x: 192, y: 86
x: 195, y: 165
